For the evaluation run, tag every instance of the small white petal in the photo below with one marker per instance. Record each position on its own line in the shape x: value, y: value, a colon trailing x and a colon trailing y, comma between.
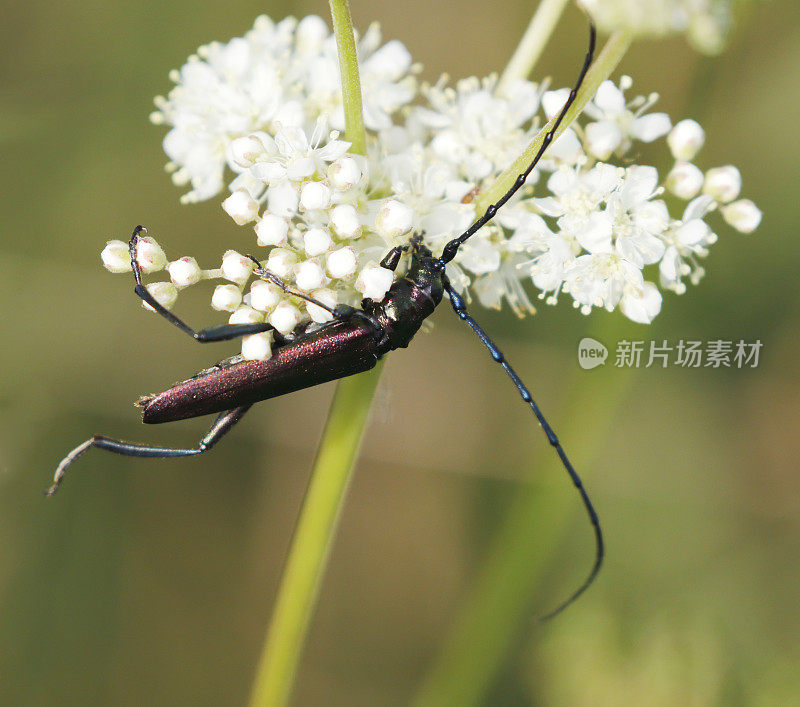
x: 341, y: 263
x: 281, y: 262
x: 723, y: 183
x: 116, y: 256
x: 693, y: 233
x: 285, y: 317
x: 641, y: 305
x: 394, y: 219
x: 165, y: 293
x: 264, y: 296
x: 282, y: 199
x: 743, y: 215
x: 271, y: 230
x: 686, y: 139
x: 315, y: 195
x: 184, y: 271
x: 309, y: 275
x: 595, y: 233
x: 685, y: 180
x: 651, y: 126
x: 241, y: 207
x: 257, y: 347
x: 317, y: 241
x: 603, y: 138
x: 236, y: 267
x: 609, y: 98
x: 226, y: 298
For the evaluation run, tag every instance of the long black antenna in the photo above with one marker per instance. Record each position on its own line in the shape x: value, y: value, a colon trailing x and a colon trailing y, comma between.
x: 452, y: 247
x: 460, y: 309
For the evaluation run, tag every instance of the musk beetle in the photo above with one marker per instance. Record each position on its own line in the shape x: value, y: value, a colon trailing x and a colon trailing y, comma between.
x: 351, y: 343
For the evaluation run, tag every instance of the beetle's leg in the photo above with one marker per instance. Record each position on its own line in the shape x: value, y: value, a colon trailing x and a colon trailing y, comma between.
x: 223, y: 332
x: 461, y: 310
x: 223, y: 423
x: 265, y: 274
x: 392, y: 258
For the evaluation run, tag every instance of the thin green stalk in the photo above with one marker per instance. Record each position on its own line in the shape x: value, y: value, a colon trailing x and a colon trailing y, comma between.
x: 601, y: 69
x: 532, y: 44
x: 500, y: 605
x: 348, y: 66
x: 333, y: 467
x: 311, y: 544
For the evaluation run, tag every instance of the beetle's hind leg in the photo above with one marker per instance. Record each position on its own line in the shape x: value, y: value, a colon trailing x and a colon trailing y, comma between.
x: 224, y: 332
x: 221, y: 426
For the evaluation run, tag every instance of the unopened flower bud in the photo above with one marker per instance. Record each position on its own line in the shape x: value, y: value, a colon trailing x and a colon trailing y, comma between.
x: 743, y: 215
x: 271, y: 230
x: 257, y: 347
x: 685, y: 180
x: 246, y: 150
x: 723, y: 184
x: 245, y: 315
x: 341, y: 263
x: 165, y: 293
x: 241, y: 207
x: 344, y: 219
x: 315, y: 195
x: 264, y: 295
x: 373, y: 281
x: 394, y: 219
x: 285, y: 317
x: 281, y: 262
x: 236, y: 267
x: 318, y: 314
x: 116, y: 256
x: 344, y: 173
x: 317, y: 241
x: 226, y: 298
x: 184, y: 272
x: 309, y: 275
x: 149, y: 255
x: 686, y: 139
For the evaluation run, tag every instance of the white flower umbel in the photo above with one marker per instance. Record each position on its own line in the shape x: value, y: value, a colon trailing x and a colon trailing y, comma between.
x: 704, y: 22
x: 589, y: 223
x: 278, y: 74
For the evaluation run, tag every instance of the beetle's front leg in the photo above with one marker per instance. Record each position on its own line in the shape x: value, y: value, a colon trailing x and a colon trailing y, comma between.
x: 223, y: 332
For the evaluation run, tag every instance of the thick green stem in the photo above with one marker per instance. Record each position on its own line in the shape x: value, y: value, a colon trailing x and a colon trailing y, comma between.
x: 532, y: 44
x: 500, y: 604
x: 601, y: 69
x: 348, y: 66
x: 333, y: 467
x: 312, y: 540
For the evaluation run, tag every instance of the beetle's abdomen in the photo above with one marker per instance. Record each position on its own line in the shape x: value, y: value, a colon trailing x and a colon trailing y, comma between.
x: 335, y: 351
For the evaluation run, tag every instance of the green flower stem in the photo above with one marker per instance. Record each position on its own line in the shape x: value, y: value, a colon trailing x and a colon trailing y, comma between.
x: 336, y: 456
x: 601, y: 69
x: 348, y: 66
x: 499, y: 607
x: 312, y: 539
x: 532, y: 44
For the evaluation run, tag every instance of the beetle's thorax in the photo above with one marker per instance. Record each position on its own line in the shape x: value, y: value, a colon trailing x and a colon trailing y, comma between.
x: 409, y: 301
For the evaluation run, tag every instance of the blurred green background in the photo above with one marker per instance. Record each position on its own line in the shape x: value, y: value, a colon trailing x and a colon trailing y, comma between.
x: 148, y: 582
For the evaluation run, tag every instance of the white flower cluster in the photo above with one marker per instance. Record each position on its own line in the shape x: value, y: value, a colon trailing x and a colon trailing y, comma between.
x: 705, y: 23
x: 267, y: 107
